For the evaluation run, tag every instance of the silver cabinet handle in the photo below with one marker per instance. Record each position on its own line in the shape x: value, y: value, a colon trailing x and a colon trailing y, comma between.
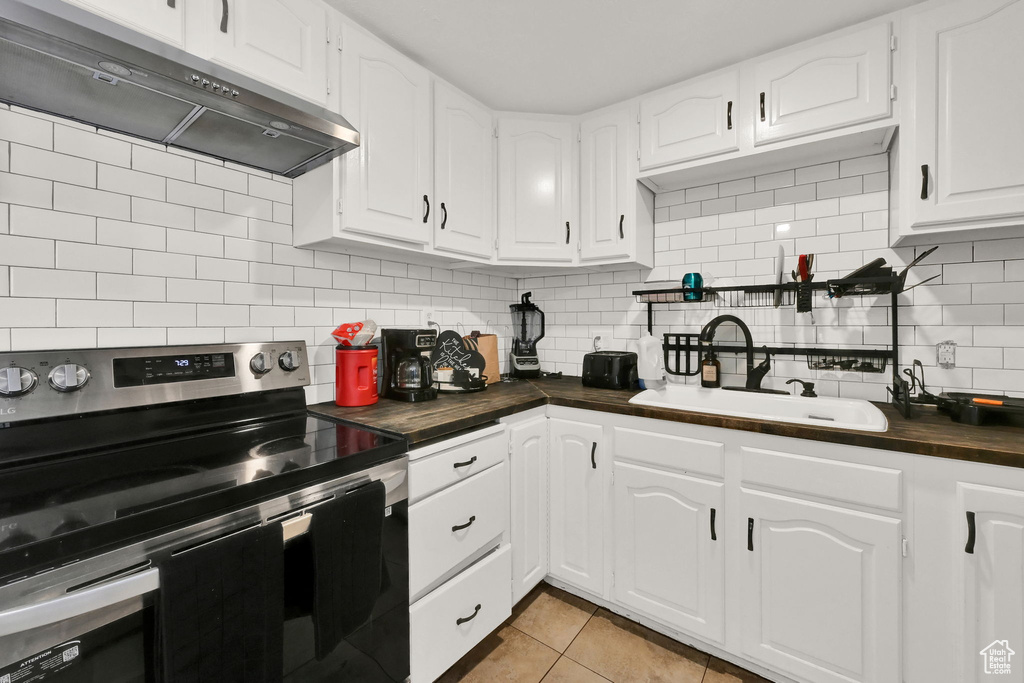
x: 28, y: 617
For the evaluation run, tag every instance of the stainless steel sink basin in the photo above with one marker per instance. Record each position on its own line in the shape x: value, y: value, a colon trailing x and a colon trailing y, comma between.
x: 823, y: 411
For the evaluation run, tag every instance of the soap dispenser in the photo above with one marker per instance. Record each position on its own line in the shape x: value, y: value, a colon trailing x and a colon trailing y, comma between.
x: 711, y: 372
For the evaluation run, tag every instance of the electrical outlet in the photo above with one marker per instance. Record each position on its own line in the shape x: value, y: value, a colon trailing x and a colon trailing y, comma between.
x: 945, y: 355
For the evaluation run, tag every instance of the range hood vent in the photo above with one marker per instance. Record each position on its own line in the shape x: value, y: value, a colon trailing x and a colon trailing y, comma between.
x: 85, y: 68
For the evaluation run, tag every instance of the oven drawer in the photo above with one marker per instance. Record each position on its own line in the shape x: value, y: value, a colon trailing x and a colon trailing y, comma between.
x: 446, y: 467
x: 451, y: 526
x: 482, y: 594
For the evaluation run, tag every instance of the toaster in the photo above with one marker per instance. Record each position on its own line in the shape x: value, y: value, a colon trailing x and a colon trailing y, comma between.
x: 610, y: 370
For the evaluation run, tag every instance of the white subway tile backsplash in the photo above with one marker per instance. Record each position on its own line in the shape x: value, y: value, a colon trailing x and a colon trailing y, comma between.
x: 972, y: 272
x: 245, y: 293
x: 251, y: 207
x: 86, y: 144
x: 163, y: 214
x: 872, y: 201
x: 28, y: 312
x: 26, y: 251
x: 32, y: 339
x: 35, y: 222
x: 25, y: 191
x: 47, y: 283
x: 195, y: 291
x: 133, y: 235
x: 160, y: 162
x: 75, y: 199
x: 216, y: 315
x: 699, y: 194
x: 842, y: 187
x: 218, y: 223
x: 131, y: 336
x: 40, y: 163
x: 197, y: 243
x: 859, y: 166
x: 167, y: 265
x: 270, y: 274
x: 93, y: 257
x: 148, y: 314
x: 222, y: 178
x: 194, y: 195
x: 815, y: 174
x: 130, y: 287
x: 20, y: 128
x: 228, y: 270
x: 267, y: 231
x: 135, y: 183
x: 680, y: 211
x: 270, y: 189
x: 85, y: 313
x: 757, y: 200
x: 773, y: 181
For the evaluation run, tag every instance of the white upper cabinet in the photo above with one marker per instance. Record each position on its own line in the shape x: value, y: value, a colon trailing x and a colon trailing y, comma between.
x: 463, y: 174
x: 990, y: 552
x: 833, y: 83
x: 576, y: 514
x: 820, y: 590
x: 388, y: 180
x: 695, y: 119
x: 161, y: 19
x: 961, y: 142
x: 605, y: 210
x: 280, y: 42
x: 536, y: 197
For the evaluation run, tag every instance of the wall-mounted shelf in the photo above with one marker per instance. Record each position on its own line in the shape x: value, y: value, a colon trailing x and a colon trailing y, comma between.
x: 679, y: 347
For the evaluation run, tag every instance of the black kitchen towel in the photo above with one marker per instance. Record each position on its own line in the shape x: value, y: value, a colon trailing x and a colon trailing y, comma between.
x: 346, y: 537
x: 220, y: 611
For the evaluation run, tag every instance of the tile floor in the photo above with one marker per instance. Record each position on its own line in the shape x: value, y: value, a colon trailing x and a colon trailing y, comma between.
x: 555, y: 637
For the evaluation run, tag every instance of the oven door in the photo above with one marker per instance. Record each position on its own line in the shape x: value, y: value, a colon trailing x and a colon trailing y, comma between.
x: 99, y: 633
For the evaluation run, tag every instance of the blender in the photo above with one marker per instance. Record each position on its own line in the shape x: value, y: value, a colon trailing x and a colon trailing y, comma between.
x: 527, y: 330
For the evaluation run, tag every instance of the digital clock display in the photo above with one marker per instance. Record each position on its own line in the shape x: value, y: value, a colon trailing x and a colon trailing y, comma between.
x: 133, y: 372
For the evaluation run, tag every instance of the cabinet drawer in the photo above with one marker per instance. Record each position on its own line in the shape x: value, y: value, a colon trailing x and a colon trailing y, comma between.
x: 670, y: 451
x: 437, y: 639
x: 451, y: 466
x: 436, y: 541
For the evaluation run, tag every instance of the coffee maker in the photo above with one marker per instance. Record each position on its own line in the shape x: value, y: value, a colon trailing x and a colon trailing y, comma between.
x: 527, y: 330
x: 408, y: 375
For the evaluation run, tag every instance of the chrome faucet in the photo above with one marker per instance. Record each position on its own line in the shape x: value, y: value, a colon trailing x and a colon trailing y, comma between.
x: 754, y: 374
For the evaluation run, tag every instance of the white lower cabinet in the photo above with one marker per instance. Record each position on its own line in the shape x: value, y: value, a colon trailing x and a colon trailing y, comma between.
x: 577, y: 503
x: 990, y: 585
x: 460, y: 569
x: 669, y: 554
x: 820, y: 589
x: 528, y: 446
x: 446, y: 624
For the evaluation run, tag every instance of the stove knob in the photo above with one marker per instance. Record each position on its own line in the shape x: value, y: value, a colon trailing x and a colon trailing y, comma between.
x: 261, y: 363
x: 16, y: 381
x: 69, y: 377
x: 289, y: 361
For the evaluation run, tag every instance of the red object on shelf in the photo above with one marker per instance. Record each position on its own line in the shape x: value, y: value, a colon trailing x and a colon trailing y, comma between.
x: 355, y: 376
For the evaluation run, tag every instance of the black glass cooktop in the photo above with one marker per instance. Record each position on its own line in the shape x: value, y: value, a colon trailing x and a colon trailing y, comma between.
x: 56, y: 509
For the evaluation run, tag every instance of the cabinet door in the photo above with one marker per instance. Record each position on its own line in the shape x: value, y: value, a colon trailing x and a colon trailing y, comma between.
x: 387, y: 180
x: 529, y: 462
x: 991, y: 585
x: 669, y: 556
x: 840, y: 82
x: 158, y: 18
x: 607, y: 221
x: 963, y: 143
x: 577, y: 503
x: 463, y: 174
x: 280, y: 42
x: 820, y: 590
x: 695, y: 119
x: 535, y: 191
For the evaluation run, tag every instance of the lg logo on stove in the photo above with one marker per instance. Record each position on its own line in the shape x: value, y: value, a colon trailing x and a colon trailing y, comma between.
x: 7, y: 411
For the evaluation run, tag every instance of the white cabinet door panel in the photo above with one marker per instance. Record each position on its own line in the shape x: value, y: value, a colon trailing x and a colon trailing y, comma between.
x: 388, y: 178
x: 991, y: 581
x: 280, y: 42
x: 463, y: 174
x: 696, y: 119
x: 156, y: 18
x: 669, y: 557
x: 529, y: 470
x: 962, y: 158
x: 536, y: 197
x: 821, y: 590
x: 840, y: 82
x: 577, y: 504
x: 606, y: 222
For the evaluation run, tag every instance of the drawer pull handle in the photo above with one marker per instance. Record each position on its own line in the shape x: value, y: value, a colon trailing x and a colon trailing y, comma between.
x: 969, y: 548
x: 567, y: 232
x: 762, y: 106
x: 593, y: 454
x: 714, y: 536
x: 462, y: 620
x: 622, y: 234
x: 460, y: 527
x: 223, y: 16
x: 426, y: 203
x: 465, y: 464
x: 728, y: 116
x: 750, y: 534
x: 444, y: 213
x: 924, y: 181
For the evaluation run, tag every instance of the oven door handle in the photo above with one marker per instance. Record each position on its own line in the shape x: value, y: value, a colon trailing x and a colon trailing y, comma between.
x: 29, y: 617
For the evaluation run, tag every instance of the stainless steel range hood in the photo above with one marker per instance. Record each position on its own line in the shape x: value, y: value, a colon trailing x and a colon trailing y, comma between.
x: 65, y: 61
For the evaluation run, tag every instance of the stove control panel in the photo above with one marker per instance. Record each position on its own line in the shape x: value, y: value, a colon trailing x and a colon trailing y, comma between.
x: 15, y: 381
x: 45, y: 384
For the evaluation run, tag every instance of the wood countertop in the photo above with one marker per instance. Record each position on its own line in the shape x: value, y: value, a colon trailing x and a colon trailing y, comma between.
x: 929, y: 433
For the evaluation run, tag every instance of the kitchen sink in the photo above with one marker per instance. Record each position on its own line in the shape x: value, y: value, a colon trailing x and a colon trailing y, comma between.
x: 822, y: 411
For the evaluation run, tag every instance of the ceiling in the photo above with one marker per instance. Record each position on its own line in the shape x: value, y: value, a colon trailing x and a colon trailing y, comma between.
x: 573, y: 56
